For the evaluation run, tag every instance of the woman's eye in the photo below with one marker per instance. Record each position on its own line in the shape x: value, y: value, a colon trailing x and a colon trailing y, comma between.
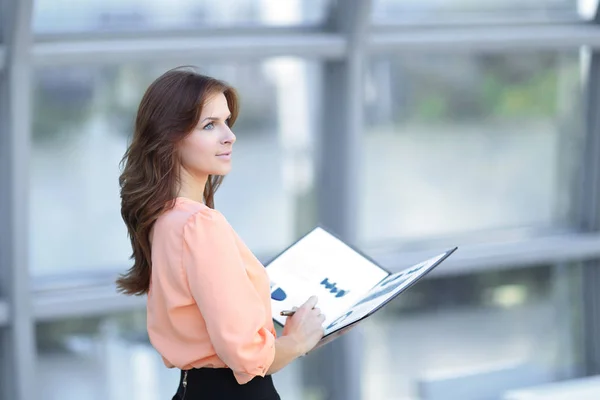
x: 209, y: 126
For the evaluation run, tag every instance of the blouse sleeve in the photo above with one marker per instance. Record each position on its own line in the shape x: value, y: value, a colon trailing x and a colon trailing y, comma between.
x: 230, y: 305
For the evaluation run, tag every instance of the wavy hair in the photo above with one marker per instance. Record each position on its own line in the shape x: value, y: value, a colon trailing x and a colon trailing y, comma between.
x: 169, y: 110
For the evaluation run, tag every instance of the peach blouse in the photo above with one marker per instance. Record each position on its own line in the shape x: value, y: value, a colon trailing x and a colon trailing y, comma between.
x: 209, y: 303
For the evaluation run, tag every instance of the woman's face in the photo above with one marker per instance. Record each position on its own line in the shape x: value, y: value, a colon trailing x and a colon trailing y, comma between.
x: 207, y: 150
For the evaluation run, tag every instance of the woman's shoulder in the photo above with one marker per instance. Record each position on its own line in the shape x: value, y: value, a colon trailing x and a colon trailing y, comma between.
x: 186, y: 212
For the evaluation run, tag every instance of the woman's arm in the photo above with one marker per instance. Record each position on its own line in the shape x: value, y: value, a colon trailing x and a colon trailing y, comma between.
x: 301, y: 333
x: 286, y: 351
x: 232, y: 309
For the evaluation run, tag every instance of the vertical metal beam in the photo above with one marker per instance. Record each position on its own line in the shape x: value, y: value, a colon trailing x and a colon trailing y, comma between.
x: 342, y: 121
x: 589, y: 219
x: 565, y: 277
x: 591, y: 317
x: 4, y: 343
x: 336, y: 368
x: 17, y: 364
x: 2, y: 33
x: 588, y: 197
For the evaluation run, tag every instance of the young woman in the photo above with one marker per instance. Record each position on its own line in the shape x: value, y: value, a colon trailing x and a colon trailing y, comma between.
x: 208, y: 297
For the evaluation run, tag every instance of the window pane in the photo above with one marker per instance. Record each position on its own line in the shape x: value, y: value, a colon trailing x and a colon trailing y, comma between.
x: 52, y: 16
x: 1, y: 24
x: 465, y: 143
x: 475, y: 336
x: 111, y: 358
x: 3, y: 311
x: 83, y: 119
x: 427, y: 11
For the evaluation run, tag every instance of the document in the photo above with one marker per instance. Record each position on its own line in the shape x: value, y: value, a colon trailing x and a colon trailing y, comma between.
x: 349, y: 285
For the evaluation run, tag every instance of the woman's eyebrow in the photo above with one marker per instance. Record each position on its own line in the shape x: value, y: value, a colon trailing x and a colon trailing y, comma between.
x: 213, y: 118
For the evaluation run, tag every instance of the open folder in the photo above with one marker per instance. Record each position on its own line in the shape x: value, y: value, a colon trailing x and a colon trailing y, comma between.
x: 350, y: 286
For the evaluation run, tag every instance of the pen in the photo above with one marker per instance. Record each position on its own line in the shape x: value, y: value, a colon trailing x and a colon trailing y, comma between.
x: 287, y: 313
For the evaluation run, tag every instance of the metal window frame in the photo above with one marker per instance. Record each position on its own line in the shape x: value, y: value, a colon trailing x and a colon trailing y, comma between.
x: 480, y: 19
x: 337, y: 368
x: 17, y: 366
x: 3, y: 314
x: 323, y: 45
x: 100, y: 298
x: 202, y: 32
x: 474, y: 258
x: 588, y: 216
x: 231, y: 47
x: 342, y: 44
x: 485, y: 38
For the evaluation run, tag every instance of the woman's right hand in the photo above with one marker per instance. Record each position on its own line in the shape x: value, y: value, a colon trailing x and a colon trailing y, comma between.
x: 305, y: 327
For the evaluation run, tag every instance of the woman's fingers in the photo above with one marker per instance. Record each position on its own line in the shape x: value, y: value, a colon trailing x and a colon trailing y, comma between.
x: 311, y: 302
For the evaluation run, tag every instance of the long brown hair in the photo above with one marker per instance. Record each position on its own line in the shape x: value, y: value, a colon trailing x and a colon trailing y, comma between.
x: 169, y: 110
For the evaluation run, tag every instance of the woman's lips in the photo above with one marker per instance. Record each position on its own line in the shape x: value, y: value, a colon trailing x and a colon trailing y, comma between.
x: 225, y: 156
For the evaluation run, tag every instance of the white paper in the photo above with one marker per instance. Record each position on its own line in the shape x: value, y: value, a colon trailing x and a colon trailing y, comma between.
x: 386, y: 289
x: 322, y: 265
x: 348, y: 285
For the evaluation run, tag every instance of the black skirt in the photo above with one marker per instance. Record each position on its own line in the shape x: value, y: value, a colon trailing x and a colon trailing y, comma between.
x: 220, y: 384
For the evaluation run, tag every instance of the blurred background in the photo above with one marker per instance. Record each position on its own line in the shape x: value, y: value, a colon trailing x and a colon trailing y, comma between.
x: 404, y: 126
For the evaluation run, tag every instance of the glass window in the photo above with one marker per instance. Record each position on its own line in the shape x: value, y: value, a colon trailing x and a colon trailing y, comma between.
x: 3, y: 312
x: 436, y: 11
x: 2, y: 25
x: 475, y: 336
x: 62, y: 16
x: 459, y: 144
x: 97, y: 358
x: 82, y: 123
x: 587, y: 9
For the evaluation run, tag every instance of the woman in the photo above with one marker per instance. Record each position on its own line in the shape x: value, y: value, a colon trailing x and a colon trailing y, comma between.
x: 208, y: 297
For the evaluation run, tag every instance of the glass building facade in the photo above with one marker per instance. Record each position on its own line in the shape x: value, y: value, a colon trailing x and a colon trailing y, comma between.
x: 405, y: 127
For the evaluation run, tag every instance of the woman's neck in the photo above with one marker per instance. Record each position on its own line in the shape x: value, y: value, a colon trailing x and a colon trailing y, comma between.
x: 191, y: 186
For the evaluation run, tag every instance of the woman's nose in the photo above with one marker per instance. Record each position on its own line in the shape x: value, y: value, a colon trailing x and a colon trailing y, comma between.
x: 229, y: 137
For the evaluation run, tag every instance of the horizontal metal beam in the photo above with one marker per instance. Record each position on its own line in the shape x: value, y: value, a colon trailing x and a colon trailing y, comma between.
x: 184, y: 49
x: 3, y: 313
x: 485, y: 38
x: 230, y: 46
x: 102, y: 299
x: 481, y: 19
x: 471, y: 258
x: 201, y: 32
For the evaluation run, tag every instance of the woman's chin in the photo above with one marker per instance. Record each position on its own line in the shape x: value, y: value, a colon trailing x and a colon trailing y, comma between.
x: 222, y: 171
